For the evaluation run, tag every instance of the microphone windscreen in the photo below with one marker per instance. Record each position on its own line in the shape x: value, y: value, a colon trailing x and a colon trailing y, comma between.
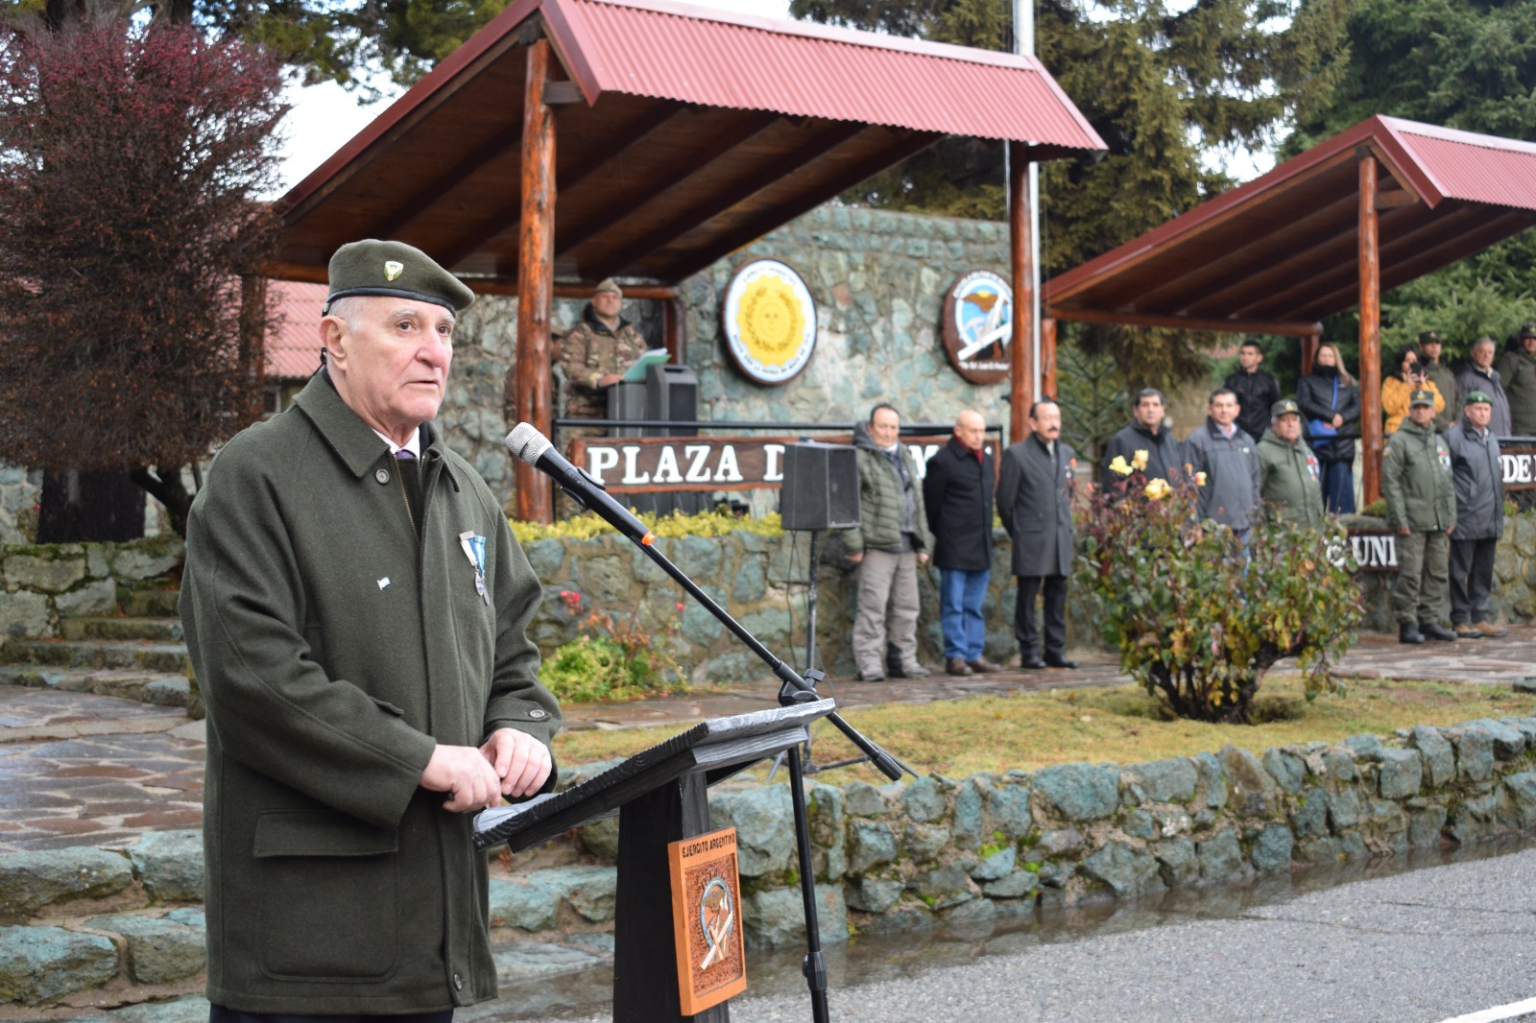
x: 527, y: 443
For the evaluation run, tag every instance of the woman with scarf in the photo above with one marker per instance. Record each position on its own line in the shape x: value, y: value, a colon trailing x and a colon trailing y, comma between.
x: 1330, y: 407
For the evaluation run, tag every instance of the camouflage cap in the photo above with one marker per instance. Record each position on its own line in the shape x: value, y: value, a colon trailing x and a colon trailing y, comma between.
x: 609, y: 284
x: 1284, y: 407
x: 1430, y: 337
x: 1479, y: 398
x: 373, y: 267
x: 1422, y: 397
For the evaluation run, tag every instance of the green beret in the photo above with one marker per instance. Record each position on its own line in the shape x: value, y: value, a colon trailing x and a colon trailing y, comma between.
x: 1422, y: 398
x: 1430, y: 337
x: 1284, y: 407
x: 1479, y: 398
x: 373, y: 267
x: 609, y: 284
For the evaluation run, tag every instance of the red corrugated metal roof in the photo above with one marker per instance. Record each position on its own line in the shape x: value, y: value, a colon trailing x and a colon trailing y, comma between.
x: 699, y: 55
x: 1466, y: 165
x: 293, y: 349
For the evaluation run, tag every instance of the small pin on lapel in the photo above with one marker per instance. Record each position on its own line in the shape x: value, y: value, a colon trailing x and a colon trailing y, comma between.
x: 383, y: 582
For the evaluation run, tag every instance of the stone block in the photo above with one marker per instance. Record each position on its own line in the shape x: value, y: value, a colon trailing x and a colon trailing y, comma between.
x: 1212, y: 779
x: 1517, y: 801
x: 1339, y: 762
x: 1309, y: 818
x: 829, y: 852
x: 167, y: 691
x: 49, y: 575
x: 700, y: 627
x: 1164, y: 781
x: 546, y: 556
x: 1365, y: 747
x: 1318, y: 850
x: 1123, y: 870
x: 749, y: 584
x: 996, y: 866
x: 1425, y: 826
x: 1343, y: 810
x: 1352, y: 846
x: 1508, y: 741
x: 526, y: 903
x: 1057, y: 842
x: 604, y: 581
x: 1271, y: 851
x: 903, y: 919
x: 765, y: 828
x: 774, y: 919
x: 1437, y: 754
x: 1139, y: 824
x: 94, y: 598
x: 923, y: 842
x: 870, y: 844
x: 1288, y: 770
x: 770, y: 626
x: 23, y: 615
x: 1016, y: 885
x: 1402, y: 772
x: 32, y: 879
x: 1176, y: 862
x: 589, y: 890
x: 862, y: 799
x: 872, y: 894
x: 1008, y: 810
x: 41, y: 964
x: 940, y: 882
x: 969, y: 801
x: 697, y: 556
x: 1474, y: 753
x: 1080, y: 792
x: 191, y: 1009
x: 924, y: 801
x: 1171, y: 822
x: 147, y: 559
x: 522, y: 963
x: 1252, y: 790
x: 159, y: 951
x: 1220, y: 855
x: 170, y: 864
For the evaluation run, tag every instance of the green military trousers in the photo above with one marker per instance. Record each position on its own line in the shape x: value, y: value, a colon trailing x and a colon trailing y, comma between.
x: 1423, y: 577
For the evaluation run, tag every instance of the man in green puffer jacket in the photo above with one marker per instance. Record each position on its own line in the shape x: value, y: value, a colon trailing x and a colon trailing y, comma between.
x: 891, y: 540
x: 1289, y: 472
x: 1420, y: 490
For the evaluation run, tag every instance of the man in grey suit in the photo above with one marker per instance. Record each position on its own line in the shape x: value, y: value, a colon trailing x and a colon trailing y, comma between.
x: 1034, y: 500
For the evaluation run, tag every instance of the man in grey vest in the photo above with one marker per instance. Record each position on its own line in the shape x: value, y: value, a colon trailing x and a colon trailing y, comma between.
x: 1034, y: 500
x: 1479, y: 480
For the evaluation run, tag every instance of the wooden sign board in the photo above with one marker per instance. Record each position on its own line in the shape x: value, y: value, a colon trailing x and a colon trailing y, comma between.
x: 1519, y: 466
x: 706, y: 920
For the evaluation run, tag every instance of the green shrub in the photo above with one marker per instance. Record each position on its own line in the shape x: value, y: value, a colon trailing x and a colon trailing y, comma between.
x: 1197, y: 615
x: 614, y: 658
x: 586, y: 526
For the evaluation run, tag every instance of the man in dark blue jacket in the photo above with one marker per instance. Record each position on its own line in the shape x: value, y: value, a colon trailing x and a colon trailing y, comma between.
x: 1479, y: 480
x: 1147, y: 432
x: 957, y: 492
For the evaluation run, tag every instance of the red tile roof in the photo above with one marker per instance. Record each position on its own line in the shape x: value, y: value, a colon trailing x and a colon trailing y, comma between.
x: 293, y: 349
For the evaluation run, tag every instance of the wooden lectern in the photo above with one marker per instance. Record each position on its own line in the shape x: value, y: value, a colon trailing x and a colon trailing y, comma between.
x: 660, y: 795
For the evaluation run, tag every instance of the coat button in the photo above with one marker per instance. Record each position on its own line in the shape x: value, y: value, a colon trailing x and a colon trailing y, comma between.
x: 382, y: 476
x: 536, y: 713
x: 458, y: 982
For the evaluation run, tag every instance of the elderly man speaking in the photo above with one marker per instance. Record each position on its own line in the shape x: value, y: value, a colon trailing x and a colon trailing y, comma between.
x: 356, y: 610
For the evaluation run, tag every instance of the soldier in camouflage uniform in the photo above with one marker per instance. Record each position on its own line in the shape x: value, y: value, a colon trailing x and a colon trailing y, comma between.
x: 596, y: 352
x: 1420, y: 490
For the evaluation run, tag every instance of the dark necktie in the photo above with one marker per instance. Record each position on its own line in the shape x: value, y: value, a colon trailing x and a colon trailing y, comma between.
x: 410, y: 479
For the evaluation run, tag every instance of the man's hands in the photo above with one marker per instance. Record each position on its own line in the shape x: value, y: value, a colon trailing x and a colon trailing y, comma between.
x: 511, y: 763
x: 608, y: 379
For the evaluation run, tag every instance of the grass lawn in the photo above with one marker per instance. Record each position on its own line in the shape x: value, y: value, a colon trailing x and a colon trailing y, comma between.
x: 1120, y: 725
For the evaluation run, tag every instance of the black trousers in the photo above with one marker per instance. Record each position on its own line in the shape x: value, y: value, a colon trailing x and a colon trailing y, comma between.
x: 219, y: 1014
x: 1471, y: 579
x: 1055, y: 587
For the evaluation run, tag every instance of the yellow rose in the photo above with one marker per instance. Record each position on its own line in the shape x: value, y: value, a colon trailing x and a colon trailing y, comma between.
x: 1139, y: 460
x: 1118, y: 465
x: 1158, y: 489
x: 1199, y: 479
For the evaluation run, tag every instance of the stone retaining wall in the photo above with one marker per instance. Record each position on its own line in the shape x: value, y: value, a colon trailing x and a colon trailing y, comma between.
x: 933, y: 852
x: 40, y: 584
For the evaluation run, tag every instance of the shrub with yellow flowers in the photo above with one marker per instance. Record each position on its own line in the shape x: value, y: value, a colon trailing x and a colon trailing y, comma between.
x: 1198, y: 613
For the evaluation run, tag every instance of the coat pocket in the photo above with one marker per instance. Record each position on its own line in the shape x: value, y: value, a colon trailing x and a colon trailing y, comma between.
x: 331, y: 911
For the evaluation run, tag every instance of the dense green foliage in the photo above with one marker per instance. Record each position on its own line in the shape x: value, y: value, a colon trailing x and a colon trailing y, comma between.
x: 621, y: 658
x: 1197, y: 615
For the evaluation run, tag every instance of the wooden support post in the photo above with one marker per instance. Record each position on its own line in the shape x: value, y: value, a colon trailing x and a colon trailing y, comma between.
x: 528, y: 399
x: 1309, y: 345
x: 1021, y: 253
x: 1048, y: 356
x: 672, y: 329
x: 1370, y: 332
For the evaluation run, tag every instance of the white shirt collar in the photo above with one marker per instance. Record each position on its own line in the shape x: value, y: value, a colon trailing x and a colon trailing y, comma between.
x: 413, y: 445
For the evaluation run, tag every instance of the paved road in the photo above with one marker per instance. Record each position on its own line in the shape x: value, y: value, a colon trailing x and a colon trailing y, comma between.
x: 1425, y: 946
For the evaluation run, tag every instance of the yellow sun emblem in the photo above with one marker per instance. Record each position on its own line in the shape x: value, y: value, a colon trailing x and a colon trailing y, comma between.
x: 770, y: 321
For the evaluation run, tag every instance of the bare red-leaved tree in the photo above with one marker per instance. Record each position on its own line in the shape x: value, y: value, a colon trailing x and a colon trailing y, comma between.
x: 130, y: 162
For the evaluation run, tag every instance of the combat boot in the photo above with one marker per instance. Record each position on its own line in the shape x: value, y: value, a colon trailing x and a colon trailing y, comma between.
x: 1409, y: 633
x: 1436, y: 631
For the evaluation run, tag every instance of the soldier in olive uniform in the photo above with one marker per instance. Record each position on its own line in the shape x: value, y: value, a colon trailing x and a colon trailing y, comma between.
x: 1421, y: 505
x: 596, y: 352
x: 1289, y: 473
x: 356, y: 610
x: 1443, y: 377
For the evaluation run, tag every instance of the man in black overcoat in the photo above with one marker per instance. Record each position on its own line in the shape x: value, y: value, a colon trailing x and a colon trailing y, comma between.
x: 1034, y: 500
x: 957, y: 492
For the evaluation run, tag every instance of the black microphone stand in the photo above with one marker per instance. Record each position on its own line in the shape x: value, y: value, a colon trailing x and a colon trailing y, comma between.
x: 794, y: 689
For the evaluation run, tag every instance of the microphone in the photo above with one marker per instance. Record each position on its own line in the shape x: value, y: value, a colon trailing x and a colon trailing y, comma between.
x: 533, y: 448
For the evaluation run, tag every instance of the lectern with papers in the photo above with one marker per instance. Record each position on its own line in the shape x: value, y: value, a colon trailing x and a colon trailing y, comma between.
x: 660, y: 796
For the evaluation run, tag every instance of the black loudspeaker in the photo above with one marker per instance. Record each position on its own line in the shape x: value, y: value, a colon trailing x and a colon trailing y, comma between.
x: 821, y: 487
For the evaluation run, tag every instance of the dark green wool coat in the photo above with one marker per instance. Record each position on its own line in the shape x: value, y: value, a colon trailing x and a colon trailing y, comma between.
x: 1289, y: 480
x: 335, y: 649
x: 1416, y: 480
x: 880, y: 500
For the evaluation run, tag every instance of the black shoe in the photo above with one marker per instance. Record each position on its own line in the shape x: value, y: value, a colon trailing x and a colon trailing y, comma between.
x: 1059, y: 661
x: 1032, y: 663
x: 1436, y: 631
x: 1409, y: 633
x: 957, y: 666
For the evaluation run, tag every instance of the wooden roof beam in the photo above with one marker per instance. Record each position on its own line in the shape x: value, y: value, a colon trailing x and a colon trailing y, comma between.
x: 1226, y: 326
x: 729, y: 197
x: 388, y: 227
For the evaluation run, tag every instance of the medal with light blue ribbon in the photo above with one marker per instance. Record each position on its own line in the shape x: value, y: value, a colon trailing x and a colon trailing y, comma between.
x: 474, y: 549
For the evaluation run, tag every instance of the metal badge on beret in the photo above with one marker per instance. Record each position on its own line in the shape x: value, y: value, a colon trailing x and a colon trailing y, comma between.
x: 1430, y: 337
x: 1284, y: 407
x: 1479, y: 398
x: 374, y: 267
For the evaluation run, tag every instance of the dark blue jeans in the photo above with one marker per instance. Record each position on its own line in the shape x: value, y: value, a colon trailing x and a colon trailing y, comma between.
x: 1339, y: 487
x: 960, y: 596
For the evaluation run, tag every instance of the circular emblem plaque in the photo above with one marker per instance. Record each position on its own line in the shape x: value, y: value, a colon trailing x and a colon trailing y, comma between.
x: 978, y: 326
x: 770, y: 321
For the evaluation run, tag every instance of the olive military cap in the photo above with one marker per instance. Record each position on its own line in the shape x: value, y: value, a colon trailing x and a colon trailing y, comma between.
x: 373, y: 267
x: 1479, y: 398
x: 609, y: 284
x: 1422, y: 398
x: 1284, y: 407
x: 1430, y: 337
x: 1528, y: 330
